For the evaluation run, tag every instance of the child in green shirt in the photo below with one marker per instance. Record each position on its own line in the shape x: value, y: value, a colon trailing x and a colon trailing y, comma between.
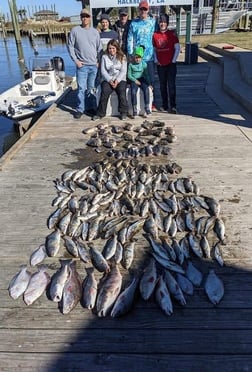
x: 139, y: 78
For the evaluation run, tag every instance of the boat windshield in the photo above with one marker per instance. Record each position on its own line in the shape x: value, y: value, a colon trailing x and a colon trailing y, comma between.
x: 42, y: 63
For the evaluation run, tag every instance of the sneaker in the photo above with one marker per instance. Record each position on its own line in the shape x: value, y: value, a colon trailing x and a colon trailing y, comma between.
x: 148, y: 112
x: 162, y: 109
x: 144, y: 115
x: 123, y: 116
x: 153, y: 108
x: 77, y: 115
x: 96, y: 117
x: 173, y: 110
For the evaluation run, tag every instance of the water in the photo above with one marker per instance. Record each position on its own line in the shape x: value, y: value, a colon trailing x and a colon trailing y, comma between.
x: 11, y: 73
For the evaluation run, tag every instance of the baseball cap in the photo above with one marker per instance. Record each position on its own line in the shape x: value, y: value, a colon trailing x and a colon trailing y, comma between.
x: 123, y: 11
x: 104, y: 16
x: 138, y: 51
x: 143, y: 4
x: 85, y: 11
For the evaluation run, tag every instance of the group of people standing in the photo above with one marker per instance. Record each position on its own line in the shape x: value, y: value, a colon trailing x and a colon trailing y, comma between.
x: 125, y: 53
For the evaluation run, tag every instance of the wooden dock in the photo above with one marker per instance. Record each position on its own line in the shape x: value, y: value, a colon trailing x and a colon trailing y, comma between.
x: 214, y: 148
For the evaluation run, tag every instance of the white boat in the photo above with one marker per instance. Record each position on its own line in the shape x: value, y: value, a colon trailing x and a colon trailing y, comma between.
x: 47, y: 82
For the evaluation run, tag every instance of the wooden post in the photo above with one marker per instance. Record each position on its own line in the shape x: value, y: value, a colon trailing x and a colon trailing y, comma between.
x: 3, y: 27
x: 178, y: 20
x: 49, y: 33
x: 13, y: 10
x: 188, y: 26
x: 214, y: 16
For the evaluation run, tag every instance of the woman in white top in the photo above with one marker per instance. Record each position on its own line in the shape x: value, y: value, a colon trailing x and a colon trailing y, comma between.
x: 113, y: 78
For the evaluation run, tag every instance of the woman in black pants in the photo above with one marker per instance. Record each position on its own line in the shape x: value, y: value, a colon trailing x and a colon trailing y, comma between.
x: 113, y: 78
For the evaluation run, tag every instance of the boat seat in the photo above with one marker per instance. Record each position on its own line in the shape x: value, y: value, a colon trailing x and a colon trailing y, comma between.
x: 112, y: 107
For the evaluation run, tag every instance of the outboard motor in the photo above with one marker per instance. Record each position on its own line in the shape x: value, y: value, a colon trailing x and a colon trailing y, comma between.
x: 58, y: 63
x: 59, y: 66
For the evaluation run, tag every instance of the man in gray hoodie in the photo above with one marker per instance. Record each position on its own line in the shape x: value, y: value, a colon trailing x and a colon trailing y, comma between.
x: 84, y: 46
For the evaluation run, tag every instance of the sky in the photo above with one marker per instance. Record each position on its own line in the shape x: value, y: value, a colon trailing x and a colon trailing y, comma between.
x: 65, y: 8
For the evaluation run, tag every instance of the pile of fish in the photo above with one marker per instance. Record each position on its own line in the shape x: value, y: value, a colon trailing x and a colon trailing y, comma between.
x: 121, y: 217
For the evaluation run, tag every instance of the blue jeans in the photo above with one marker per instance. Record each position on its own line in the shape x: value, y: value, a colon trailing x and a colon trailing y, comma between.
x: 86, y: 87
x: 145, y: 88
x: 151, y: 72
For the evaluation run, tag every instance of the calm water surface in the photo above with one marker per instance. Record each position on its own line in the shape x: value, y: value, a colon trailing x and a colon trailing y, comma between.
x: 11, y: 73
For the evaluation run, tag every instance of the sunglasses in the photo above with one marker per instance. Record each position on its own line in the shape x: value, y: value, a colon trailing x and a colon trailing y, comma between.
x: 144, y: 9
x: 85, y: 16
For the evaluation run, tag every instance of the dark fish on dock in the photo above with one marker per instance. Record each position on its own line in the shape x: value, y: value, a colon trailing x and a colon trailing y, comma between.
x: 193, y: 274
x: 109, y: 291
x: 98, y: 260
x: 218, y: 254
x: 37, y: 285
x: 174, y: 288
x: 128, y: 254
x: 219, y: 229
x: 185, y: 284
x: 89, y: 291
x: 148, y: 280
x: 19, y: 282
x: 163, y: 297
x: 52, y: 243
x: 124, y: 301
x: 72, y: 290
x: 58, y: 281
x: 54, y: 218
x: 214, y: 287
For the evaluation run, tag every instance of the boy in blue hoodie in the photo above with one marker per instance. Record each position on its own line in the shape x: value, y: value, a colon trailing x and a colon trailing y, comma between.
x: 139, y: 78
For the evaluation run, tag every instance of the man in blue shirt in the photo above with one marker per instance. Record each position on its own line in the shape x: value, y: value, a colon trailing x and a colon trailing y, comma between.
x: 140, y: 34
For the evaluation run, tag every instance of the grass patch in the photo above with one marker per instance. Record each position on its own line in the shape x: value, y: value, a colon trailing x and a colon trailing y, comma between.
x: 239, y: 39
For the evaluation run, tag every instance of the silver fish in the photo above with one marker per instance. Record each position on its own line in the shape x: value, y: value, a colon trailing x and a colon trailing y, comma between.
x: 52, y: 243
x: 205, y: 246
x: 98, y: 260
x: 38, y: 255
x: 19, y: 282
x: 72, y: 290
x: 218, y: 254
x: 71, y: 246
x: 150, y: 227
x: 74, y: 224
x: 148, y: 280
x: 64, y: 222
x: 73, y: 204
x: 110, y: 247
x: 83, y: 251
x: 54, y: 218
x: 214, y: 206
x: 109, y: 291
x: 37, y: 285
x: 125, y: 300
x: 58, y: 281
x: 194, y: 243
x: 219, y: 229
x: 128, y: 254
x: 163, y: 296
x: 89, y: 291
x: 214, y: 287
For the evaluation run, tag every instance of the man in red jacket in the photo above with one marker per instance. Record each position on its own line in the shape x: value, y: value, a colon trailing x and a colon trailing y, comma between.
x: 166, y: 51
